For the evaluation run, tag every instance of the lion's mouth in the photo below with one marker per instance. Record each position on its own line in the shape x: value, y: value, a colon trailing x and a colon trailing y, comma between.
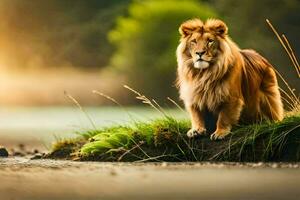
x: 201, y: 64
x: 202, y: 60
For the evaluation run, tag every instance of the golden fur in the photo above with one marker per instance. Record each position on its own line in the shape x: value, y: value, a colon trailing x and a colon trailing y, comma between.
x: 215, y: 75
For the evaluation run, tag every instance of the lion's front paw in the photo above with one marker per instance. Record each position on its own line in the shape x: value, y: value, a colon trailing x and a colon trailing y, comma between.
x: 195, y: 132
x: 219, y: 134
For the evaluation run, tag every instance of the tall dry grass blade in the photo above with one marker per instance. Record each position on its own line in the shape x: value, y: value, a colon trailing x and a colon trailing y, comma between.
x: 291, y: 100
x: 114, y: 101
x: 176, y: 104
x: 294, y: 97
x: 297, y: 67
x: 107, y: 97
x: 80, y: 107
x: 144, y: 99
x: 281, y: 41
x: 290, y: 107
x: 132, y: 90
x: 156, y: 158
x: 140, y: 148
x: 288, y: 86
x: 159, y: 107
x: 129, y: 150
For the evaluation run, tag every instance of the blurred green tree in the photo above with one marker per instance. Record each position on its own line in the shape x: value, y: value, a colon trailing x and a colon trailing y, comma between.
x: 146, y: 42
x: 46, y: 33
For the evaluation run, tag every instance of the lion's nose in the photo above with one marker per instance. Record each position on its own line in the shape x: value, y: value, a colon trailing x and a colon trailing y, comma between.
x: 200, y: 53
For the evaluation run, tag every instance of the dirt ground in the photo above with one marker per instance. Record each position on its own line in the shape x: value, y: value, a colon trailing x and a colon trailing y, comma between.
x: 22, y: 178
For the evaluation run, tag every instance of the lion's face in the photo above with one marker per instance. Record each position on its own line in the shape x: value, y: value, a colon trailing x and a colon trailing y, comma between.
x: 203, y: 41
x: 203, y: 48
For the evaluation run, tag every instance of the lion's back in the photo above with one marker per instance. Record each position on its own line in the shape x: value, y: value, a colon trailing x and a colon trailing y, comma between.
x: 259, y: 83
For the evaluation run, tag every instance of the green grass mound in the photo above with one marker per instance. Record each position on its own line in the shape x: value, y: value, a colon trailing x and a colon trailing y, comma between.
x: 165, y: 140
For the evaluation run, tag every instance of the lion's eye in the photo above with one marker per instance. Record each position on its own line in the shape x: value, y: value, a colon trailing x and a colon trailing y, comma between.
x: 210, y: 41
x: 194, y: 41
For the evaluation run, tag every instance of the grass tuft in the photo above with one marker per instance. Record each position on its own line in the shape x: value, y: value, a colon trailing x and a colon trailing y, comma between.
x: 165, y: 140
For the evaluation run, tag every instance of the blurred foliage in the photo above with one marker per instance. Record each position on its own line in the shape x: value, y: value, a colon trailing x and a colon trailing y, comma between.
x: 143, y: 35
x: 44, y: 33
x: 146, y: 42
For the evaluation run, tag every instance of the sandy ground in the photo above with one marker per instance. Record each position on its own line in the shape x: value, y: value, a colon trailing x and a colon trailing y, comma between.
x: 22, y: 178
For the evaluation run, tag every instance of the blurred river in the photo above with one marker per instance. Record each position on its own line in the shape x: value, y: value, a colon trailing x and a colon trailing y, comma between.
x: 40, y: 126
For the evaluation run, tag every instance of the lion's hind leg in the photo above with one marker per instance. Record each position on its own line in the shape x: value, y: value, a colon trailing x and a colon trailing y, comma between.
x: 270, y: 101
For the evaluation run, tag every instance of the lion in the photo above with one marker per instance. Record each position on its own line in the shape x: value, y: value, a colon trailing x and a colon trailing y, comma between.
x: 214, y: 75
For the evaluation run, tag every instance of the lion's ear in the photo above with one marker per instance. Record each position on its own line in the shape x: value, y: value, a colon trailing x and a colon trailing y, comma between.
x: 185, y: 30
x: 190, y: 26
x: 217, y: 26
